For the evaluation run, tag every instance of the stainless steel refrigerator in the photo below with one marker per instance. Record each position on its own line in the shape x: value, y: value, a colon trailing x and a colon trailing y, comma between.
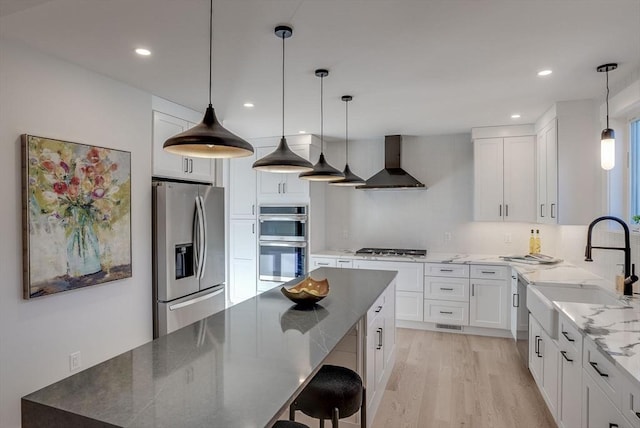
x: 188, y: 254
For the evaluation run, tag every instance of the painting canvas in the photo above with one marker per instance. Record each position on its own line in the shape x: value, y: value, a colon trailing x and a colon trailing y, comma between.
x: 76, y: 202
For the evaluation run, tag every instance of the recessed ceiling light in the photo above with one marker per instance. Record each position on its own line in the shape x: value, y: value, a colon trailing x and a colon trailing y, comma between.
x: 515, y: 116
x: 143, y: 52
x: 248, y: 105
x: 544, y: 72
x: 302, y: 132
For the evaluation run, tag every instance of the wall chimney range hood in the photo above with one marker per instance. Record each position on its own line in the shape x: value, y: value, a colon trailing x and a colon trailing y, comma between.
x: 392, y: 176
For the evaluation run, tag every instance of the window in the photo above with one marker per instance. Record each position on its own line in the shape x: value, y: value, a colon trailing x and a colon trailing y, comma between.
x: 634, y: 168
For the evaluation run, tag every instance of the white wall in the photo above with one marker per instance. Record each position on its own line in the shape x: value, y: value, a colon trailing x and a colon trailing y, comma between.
x: 47, y: 97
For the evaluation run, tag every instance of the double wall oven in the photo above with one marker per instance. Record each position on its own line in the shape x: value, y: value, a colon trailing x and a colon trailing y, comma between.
x: 283, y: 244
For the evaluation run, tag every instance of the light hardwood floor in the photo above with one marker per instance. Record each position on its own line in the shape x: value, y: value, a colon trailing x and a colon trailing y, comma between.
x: 454, y: 380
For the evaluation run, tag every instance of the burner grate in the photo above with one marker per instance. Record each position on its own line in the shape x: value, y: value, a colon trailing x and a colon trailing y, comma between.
x: 391, y: 252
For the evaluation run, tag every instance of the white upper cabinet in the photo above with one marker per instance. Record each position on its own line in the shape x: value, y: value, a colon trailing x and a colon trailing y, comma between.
x: 242, y: 195
x: 568, y: 164
x: 170, y: 119
x: 504, y: 179
x: 279, y: 187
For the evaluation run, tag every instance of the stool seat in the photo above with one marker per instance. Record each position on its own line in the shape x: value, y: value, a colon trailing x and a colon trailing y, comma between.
x: 288, y: 424
x: 333, y: 387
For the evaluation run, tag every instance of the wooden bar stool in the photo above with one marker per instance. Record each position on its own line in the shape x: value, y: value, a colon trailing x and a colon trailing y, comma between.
x: 333, y: 393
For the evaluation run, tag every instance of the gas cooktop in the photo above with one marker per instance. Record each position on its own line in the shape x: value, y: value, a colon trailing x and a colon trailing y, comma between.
x: 391, y: 252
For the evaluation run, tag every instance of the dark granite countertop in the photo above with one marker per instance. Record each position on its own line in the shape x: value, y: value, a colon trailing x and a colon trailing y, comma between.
x: 238, y: 368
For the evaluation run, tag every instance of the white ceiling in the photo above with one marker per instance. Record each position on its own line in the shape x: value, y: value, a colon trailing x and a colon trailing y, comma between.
x: 414, y: 67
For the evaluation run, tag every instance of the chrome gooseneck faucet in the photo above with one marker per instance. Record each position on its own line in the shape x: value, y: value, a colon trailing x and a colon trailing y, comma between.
x: 629, y: 269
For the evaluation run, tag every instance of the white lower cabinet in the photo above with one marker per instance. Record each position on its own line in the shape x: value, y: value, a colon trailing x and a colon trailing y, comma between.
x: 409, y: 285
x: 445, y: 312
x: 543, y: 364
x: 570, y: 376
x: 446, y: 293
x: 242, y: 260
x: 490, y: 296
x: 599, y: 410
x: 318, y: 262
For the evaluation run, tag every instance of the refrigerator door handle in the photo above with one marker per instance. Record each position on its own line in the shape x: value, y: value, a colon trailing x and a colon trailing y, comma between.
x: 196, y: 300
x: 203, y: 244
x: 199, y: 239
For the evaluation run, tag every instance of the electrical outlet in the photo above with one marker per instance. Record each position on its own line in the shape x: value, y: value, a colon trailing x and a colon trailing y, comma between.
x: 447, y: 236
x: 74, y: 361
x: 507, y: 238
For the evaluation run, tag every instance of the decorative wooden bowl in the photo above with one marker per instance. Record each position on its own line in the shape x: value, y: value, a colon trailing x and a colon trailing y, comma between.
x: 308, y: 291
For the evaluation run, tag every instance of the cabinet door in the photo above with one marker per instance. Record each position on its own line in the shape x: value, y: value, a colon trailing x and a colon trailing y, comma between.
x: 547, y: 171
x: 488, y: 303
x: 295, y: 189
x: 535, y: 358
x: 541, y: 176
x: 410, y: 275
x: 409, y: 306
x: 165, y: 163
x: 269, y: 183
x: 389, y: 335
x: 599, y: 411
x: 569, y: 399
x: 550, y: 379
x: 201, y: 169
x: 242, y: 191
x: 243, y: 260
x: 519, y: 179
x: 488, y: 179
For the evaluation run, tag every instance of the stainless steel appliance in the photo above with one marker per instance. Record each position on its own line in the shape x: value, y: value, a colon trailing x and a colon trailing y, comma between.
x: 391, y: 252
x: 282, y: 245
x: 520, y: 317
x: 188, y: 254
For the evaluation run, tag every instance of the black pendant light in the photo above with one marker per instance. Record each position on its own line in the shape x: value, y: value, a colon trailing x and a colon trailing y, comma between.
x: 350, y: 179
x: 608, y: 137
x: 208, y: 139
x: 282, y: 159
x: 322, y: 171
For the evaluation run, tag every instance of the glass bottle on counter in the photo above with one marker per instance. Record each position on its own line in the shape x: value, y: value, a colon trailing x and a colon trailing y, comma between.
x: 532, y: 243
x: 537, y: 245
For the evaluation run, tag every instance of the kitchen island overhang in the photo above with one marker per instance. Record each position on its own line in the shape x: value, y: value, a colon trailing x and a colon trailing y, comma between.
x: 238, y: 368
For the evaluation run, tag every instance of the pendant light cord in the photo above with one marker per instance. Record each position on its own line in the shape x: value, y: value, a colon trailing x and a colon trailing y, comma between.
x: 607, y: 73
x: 283, y: 84
x: 321, y: 114
x: 210, y: 47
x: 346, y: 128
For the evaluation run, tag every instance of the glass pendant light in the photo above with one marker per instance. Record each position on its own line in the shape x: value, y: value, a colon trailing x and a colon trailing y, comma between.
x: 350, y: 179
x: 282, y: 159
x: 322, y: 171
x: 608, y: 137
x: 208, y: 139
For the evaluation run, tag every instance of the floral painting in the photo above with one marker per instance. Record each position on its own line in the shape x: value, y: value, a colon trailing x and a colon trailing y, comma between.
x: 76, y: 215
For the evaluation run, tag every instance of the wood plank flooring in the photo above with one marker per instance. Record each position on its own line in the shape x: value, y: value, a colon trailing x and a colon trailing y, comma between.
x: 445, y: 380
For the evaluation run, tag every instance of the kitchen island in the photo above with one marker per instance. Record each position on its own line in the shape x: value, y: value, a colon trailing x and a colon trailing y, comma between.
x: 238, y: 368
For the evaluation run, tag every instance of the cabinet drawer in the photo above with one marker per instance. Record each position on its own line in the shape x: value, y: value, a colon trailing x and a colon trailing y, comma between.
x: 341, y: 263
x: 603, y: 372
x: 490, y: 272
x: 318, y: 262
x: 374, y: 310
x: 446, y: 269
x: 446, y: 312
x: 440, y: 288
x: 569, y: 337
x: 631, y: 402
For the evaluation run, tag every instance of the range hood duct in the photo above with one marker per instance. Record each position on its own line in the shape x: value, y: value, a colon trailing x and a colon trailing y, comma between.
x: 392, y: 176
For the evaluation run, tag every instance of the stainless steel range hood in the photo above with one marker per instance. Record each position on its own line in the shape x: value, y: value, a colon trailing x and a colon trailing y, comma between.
x: 392, y: 176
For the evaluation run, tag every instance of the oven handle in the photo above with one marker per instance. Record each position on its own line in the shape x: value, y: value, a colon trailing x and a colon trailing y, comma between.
x: 288, y: 217
x: 283, y: 244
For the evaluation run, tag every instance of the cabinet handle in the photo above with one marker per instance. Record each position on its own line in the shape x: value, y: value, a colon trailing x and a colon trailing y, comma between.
x: 473, y: 289
x: 379, y: 338
x: 566, y: 335
x: 284, y: 187
x: 446, y: 312
x: 446, y: 289
x: 506, y: 210
x: 322, y: 264
x: 253, y: 228
x: 539, y: 352
x: 536, y: 346
x: 446, y: 270
x: 553, y: 215
x: 515, y: 300
x: 253, y: 209
x: 190, y: 166
x: 279, y: 187
x: 612, y: 425
x: 185, y: 165
x: 595, y: 367
x: 343, y: 261
x: 378, y: 309
x: 500, y: 210
x: 564, y: 354
x: 492, y: 272
x: 541, y: 210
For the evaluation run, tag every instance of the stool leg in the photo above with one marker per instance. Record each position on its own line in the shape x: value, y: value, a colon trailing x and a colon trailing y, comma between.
x: 321, y: 423
x: 363, y: 409
x: 292, y: 412
x: 335, y: 417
